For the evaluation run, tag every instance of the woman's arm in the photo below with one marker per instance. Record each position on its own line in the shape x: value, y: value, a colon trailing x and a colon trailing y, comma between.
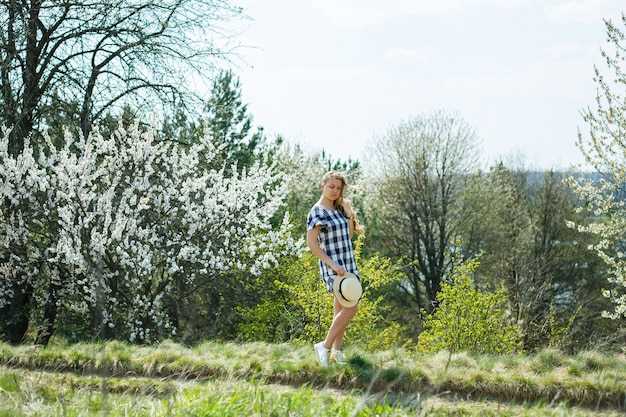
x: 311, y: 241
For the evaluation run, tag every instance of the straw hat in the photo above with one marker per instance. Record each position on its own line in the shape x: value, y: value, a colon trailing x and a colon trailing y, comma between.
x: 347, y: 289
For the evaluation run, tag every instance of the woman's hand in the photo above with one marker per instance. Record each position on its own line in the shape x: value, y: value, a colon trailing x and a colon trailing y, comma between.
x: 339, y: 269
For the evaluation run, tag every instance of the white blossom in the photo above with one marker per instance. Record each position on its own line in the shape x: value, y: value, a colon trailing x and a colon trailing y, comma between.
x: 127, y: 214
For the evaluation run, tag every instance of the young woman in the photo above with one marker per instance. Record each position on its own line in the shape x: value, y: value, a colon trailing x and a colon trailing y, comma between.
x: 330, y: 226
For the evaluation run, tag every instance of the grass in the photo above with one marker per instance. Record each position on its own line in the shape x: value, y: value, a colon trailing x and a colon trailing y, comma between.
x: 256, y: 379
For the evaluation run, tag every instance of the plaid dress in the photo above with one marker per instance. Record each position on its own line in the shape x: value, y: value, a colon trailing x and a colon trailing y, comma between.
x: 334, y: 239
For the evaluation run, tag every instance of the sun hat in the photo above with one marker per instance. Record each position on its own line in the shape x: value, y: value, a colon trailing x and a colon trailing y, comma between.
x: 347, y: 289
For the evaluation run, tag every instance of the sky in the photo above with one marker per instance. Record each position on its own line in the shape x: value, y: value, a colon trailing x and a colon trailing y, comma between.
x: 337, y: 74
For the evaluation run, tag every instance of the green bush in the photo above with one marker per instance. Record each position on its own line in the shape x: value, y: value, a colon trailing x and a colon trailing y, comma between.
x: 296, y: 307
x: 469, y: 320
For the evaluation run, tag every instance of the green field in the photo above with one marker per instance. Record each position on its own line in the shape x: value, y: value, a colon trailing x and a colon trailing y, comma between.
x: 228, y: 379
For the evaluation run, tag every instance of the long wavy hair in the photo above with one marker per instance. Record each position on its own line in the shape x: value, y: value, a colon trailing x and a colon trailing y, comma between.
x: 339, y: 202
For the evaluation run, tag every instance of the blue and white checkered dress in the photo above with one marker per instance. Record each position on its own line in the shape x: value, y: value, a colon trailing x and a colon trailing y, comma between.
x: 334, y: 239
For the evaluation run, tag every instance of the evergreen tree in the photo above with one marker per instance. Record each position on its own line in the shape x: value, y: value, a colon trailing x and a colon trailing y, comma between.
x: 229, y: 125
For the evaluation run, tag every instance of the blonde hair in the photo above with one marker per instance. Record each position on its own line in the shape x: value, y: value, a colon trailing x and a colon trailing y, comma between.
x: 339, y: 202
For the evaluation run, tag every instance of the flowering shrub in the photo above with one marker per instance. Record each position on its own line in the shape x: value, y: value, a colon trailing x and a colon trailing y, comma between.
x: 113, y: 223
x: 604, y: 150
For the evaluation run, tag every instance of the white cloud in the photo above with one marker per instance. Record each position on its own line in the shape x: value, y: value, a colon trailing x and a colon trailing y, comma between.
x: 584, y: 11
x: 561, y: 50
x: 354, y: 12
x: 375, y: 12
x: 325, y: 75
x: 449, y: 6
x: 403, y: 54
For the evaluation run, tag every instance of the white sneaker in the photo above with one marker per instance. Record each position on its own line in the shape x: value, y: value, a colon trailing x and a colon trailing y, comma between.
x: 322, y: 353
x: 337, y: 356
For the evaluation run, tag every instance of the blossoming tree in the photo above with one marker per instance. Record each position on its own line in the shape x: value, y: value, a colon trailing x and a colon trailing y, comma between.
x: 109, y: 226
x: 604, y: 150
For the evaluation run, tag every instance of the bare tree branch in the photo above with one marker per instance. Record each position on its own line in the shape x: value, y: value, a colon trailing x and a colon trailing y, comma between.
x: 99, y: 55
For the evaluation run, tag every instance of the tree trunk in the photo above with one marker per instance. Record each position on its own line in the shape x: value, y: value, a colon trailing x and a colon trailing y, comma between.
x: 14, y: 317
x: 51, y: 312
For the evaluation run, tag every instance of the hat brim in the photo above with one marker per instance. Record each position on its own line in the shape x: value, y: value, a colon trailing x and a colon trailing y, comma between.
x: 337, y: 282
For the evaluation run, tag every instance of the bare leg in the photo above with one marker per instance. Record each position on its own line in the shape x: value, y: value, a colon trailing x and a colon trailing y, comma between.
x: 342, y: 317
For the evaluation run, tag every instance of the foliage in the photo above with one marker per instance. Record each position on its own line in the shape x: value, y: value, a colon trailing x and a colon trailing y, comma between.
x: 226, y: 120
x: 417, y: 172
x: 558, y: 333
x: 121, y: 228
x: 543, y: 264
x: 604, y: 149
x: 229, y: 124
x: 468, y: 319
x: 296, y: 307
